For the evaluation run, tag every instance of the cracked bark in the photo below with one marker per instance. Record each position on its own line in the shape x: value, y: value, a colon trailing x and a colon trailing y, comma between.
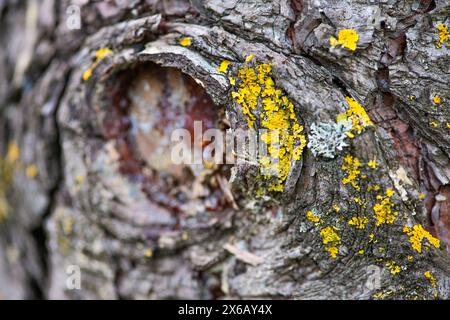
x: 98, y: 201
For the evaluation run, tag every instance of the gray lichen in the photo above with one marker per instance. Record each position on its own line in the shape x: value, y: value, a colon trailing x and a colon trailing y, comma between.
x: 327, y: 138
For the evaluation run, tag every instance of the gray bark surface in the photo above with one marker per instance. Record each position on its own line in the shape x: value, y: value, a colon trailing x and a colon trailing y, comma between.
x: 99, y: 201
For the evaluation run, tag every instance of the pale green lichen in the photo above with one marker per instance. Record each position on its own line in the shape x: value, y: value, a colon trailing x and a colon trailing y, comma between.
x: 326, y: 139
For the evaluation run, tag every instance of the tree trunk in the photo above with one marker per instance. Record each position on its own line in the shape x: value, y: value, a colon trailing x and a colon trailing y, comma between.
x: 88, y: 191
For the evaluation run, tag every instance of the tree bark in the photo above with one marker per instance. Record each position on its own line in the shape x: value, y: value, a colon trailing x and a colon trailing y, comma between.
x: 84, y: 184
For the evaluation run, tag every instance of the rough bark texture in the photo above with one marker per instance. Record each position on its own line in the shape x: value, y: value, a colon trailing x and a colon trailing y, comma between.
x: 100, y: 201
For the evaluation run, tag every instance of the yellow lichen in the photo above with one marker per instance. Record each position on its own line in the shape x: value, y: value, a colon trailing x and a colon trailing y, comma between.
x: 378, y: 295
x: 249, y: 57
x: 443, y: 35
x: 31, y: 171
x: 13, y: 153
x: 383, y: 209
x: 8, y: 166
x: 267, y: 106
x: 352, y: 167
x: 148, y: 253
x: 333, y: 42
x: 437, y: 99
x: 357, y: 115
x: 359, y: 222
x: 417, y: 234
x: 382, y: 294
x: 430, y: 277
x: 372, y: 164
x: 87, y: 74
x: 331, y: 240
x: 347, y: 38
x: 223, y: 66
x: 67, y: 224
x: 100, y: 54
x: 333, y: 251
x: 185, y: 41
x: 312, y: 217
x: 393, y: 267
x: 79, y: 179
x: 4, y: 207
x: 374, y: 187
x: 336, y: 208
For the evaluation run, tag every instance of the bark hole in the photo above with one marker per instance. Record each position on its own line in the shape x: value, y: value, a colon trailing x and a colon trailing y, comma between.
x: 145, y: 105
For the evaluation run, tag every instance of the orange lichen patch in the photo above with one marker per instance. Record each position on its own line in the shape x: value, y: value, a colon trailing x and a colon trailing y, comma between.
x: 100, y: 54
x: 383, y: 209
x: 347, y: 38
x: 417, y: 234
